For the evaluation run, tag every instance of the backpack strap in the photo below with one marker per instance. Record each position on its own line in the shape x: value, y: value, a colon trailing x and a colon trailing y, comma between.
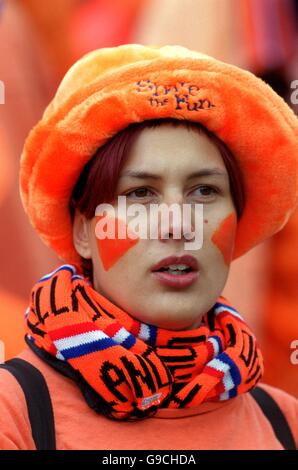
x: 41, y: 416
x: 40, y: 410
x: 275, y: 416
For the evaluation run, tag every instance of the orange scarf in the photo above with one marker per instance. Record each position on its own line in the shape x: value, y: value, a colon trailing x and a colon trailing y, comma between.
x: 132, y: 368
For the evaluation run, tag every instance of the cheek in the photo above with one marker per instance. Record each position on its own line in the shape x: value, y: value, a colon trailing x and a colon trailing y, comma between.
x: 224, y: 236
x: 113, y: 247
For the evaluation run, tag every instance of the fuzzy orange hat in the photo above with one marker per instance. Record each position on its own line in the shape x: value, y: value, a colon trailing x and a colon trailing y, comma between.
x: 110, y: 88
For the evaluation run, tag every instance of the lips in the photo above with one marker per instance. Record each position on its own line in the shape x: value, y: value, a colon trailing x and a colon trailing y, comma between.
x: 187, y: 260
x: 176, y: 278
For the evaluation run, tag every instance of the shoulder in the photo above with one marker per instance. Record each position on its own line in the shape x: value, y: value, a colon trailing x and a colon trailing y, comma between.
x: 15, y: 429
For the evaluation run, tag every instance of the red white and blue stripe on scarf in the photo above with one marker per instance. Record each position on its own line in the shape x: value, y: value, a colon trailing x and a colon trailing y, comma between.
x: 135, y: 367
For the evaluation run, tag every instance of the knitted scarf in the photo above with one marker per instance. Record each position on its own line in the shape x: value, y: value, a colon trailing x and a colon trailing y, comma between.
x: 133, y: 368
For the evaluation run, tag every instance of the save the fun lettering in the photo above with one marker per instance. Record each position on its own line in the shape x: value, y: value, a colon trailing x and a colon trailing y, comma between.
x: 185, y: 96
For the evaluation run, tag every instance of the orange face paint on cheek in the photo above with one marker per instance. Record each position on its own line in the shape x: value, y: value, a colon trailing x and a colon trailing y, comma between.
x: 112, y: 249
x: 223, y: 237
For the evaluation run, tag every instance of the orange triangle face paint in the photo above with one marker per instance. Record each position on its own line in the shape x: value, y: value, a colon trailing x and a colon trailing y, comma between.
x: 223, y: 237
x: 114, y: 246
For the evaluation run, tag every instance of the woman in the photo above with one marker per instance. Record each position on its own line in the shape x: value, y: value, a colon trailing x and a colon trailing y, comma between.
x: 137, y: 346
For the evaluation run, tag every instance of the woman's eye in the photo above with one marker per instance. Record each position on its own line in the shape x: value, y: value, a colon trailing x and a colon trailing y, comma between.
x: 139, y: 193
x: 206, y: 191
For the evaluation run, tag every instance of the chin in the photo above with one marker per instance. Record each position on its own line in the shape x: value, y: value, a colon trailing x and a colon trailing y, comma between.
x: 177, y: 325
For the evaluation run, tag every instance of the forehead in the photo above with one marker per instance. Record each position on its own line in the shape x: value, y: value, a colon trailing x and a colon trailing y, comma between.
x: 169, y: 147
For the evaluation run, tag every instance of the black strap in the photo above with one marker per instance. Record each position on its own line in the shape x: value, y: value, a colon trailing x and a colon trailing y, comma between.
x: 40, y: 410
x: 41, y: 414
x: 275, y: 416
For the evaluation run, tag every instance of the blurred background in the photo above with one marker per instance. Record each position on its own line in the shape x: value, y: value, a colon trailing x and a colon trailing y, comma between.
x: 39, y: 41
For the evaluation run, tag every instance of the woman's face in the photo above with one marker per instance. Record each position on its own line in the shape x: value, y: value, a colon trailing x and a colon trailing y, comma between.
x: 122, y: 269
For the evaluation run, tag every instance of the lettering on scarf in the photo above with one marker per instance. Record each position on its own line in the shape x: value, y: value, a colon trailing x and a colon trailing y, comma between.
x: 179, y: 357
x: 138, y: 372
x: 78, y: 293
x: 96, y: 307
x: 185, y: 96
x: 248, y: 354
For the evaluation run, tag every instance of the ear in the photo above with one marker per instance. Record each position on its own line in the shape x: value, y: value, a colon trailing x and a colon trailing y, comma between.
x: 81, y: 235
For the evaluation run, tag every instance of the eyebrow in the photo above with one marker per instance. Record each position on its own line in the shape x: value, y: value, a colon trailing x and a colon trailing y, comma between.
x: 203, y: 172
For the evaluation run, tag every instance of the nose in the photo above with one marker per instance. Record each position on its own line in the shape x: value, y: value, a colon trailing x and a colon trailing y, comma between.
x: 175, y: 219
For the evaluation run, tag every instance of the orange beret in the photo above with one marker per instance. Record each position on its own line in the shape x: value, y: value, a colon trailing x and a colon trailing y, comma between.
x: 110, y: 88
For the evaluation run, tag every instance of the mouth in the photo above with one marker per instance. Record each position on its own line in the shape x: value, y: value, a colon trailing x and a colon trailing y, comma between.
x: 178, y: 265
x: 176, y: 271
